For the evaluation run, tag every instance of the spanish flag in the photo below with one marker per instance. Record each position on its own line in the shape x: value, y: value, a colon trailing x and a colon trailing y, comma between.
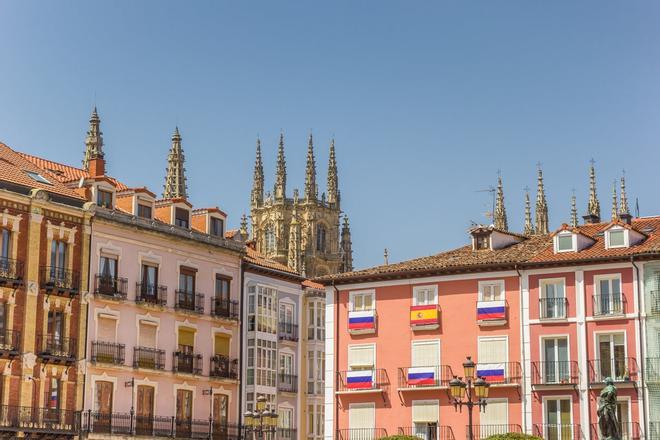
x: 424, y: 315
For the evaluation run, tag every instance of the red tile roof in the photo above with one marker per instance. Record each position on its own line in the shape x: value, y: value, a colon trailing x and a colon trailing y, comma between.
x: 258, y: 259
x: 311, y: 284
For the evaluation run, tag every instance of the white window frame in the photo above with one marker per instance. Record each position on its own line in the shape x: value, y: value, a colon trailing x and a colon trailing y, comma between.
x: 350, y: 346
x: 504, y: 338
x: 608, y: 277
x: 417, y: 342
x: 626, y: 238
x: 573, y: 242
x: 483, y: 284
x: 434, y: 290
x: 557, y: 397
x: 371, y: 405
x: 353, y: 294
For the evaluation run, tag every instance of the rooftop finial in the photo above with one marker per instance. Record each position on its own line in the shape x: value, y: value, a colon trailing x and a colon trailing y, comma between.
x: 311, y: 190
x: 623, y: 208
x: 500, y: 221
x: 529, y: 227
x: 258, y: 177
x: 615, y: 207
x: 175, y: 180
x: 333, y: 177
x: 280, y: 173
x: 386, y: 255
x: 593, y: 207
x: 346, y: 247
x: 541, y: 205
x: 93, y: 140
x: 574, y: 214
x: 243, y: 230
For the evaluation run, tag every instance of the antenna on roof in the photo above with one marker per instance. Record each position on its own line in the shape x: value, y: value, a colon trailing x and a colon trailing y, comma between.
x: 491, y: 189
x: 637, y: 207
x: 81, y: 182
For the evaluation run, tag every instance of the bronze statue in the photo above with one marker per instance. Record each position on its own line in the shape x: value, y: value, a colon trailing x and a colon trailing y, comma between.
x: 607, y: 420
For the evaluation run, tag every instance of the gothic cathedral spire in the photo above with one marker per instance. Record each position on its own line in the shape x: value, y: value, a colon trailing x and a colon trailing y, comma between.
x: 499, y: 216
x: 541, y: 206
x: 615, y: 207
x: 333, y: 178
x: 280, y: 173
x: 529, y: 227
x: 623, y: 206
x: 175, y: 180
x: 258, y: 178
x: 346, y: 247
x: 311, y: 190
x: 574, y: 214
x: 93, y: 140
x: 593, y: 207
x: 294, y: 258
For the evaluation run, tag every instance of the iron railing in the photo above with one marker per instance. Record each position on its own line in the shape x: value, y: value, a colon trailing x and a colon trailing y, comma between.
x: 500, y: 373
x: 442, y: 374
x: 151, y: 358
x: 189, y: 301
x: 287, y: 383
x: 59, y: 280
x: 224, y: 367
x: 369, y: 380
x: 151, y: 294
x: 563, y: 431
x: 111, y: 287
x: 627, y: 430
x: 224, y: 308
x: 11, y: 271
x: 361, y: 434
x: 484, y: 431
x: 609, y: 305
x: 190, y: 363
x: 39, y: 420
x: 553, y: 308
x: 620, y: 369
x: 555, y: 373
x: 10, y: 341
x: 288, y: 331
x: 108, y: 352
x: 429, y: 432
x: 57, y: 347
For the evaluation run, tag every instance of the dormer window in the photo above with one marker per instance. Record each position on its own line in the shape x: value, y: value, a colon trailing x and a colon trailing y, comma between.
x: 217, y: 227
x: 182, y: 218
x: 104, y: 199
x: 564, y: 242
x: 482, y: 242
x: 616, y: 238
x: 144, y: 211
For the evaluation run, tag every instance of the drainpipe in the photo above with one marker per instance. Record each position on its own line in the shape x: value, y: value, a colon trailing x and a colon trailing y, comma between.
x: 523, y: 363
x: 241, y: 381
x: 89, y: 280
x: 334, y: 379
x: 641, y: 340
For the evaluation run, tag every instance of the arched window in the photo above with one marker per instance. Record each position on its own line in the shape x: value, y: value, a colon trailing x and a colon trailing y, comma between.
x: 269, y: 239
x: 320, y: 238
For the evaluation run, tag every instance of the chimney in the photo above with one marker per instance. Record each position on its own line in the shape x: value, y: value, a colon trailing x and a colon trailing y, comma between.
x: 96, y: 167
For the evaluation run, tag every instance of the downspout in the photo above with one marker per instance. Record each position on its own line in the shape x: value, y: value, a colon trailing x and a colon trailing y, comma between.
x: 241, y: 381
x: 89, y: 281
x: 522, y: 345
x: 641, y: 340
x: 334, y: 379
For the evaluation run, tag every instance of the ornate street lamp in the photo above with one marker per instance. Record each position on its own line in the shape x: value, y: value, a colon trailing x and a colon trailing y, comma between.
x: 261, y: 421
x: 471, y: 392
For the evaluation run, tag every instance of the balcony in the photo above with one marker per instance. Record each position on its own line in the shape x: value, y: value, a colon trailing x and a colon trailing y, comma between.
x: 108, y: 353
x: 553, y: 308
x: 500, y: 373
x: 188, y: 363
x: 59, y: 281
x: 57, y: 348
x: 362, y: 322
x: 609, y: 305
x: 628, y: 431
x: 150, y: 358
x: 224, y: 367
x: 151, y: 294
x: 484, y: 431
x: 287, y: 383
x: 411, y: 378
x: 224, y: 308
x: 550, y: 431
x: 426, y: 317
x: 492, y: 313
x: 11, y: 272
x: 287, y: 331
x: 555, y: 373
x: 46, y: 422
x: 110, y: 287
x: 10, y: 342
x: 428, y: 433
x: 620, y: 369
x: 361, y: 434
x: 189, y: 301
x: 361, y: 381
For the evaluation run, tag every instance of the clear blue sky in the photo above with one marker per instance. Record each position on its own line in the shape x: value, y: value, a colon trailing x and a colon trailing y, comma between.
x: 427, y: 100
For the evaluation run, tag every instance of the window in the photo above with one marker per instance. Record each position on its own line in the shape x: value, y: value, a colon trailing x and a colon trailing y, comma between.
x: 103, y: 397
x: 553, y: 299
x: 362, y: 416
x: 53, y: 392
x: 221, y: 343
x: 425, y: 418
x: 107, y: 329
x: 107, y: 279
x: 5, y: 246
x: 617, y: 238
x: 612, y: 357
x: 425, y: 295
x: 556, y: 367
x: 286, y: 364
x: 217, y: 227
x: 315, y: 421
x: 270, y: 242
x: 608, y: 299
x: 187, y: 280
x: 266, y: 358
x: 492, y: 350
x: 220, y: 409
x: 182, y: 217
x: 149, y: 286
x: 104, y: 198
x: 145, y: 409
x: 482, y: 241
x: 287, y: 314
x: 285, y: 419
x: 496, y: 412
x: 362, y: 301
x: 320, y: 238
x: 558, y: 419
x: 361, y: 357
x: 144, y: 211
x: 316, y: 321
x: 38, y: 177
x: 491, y: 291
x: 108, y: 267
x: 58, y: 254
x: 222, y: 285
x: 3, y: 323
x: 262, y: 309
x: 147, y: 337
x: 565, y: 242
x: 184, y: 400
x: 315, y: 371
x: 55, y: 326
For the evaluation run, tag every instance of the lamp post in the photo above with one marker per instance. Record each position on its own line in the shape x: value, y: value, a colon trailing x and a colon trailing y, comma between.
x: 209, y: 392
x: 471, y: 392
x: 261, y: 421
x: 131, y: 384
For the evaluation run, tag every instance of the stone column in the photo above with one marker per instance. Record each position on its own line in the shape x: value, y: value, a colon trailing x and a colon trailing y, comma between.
x: 85, y: 238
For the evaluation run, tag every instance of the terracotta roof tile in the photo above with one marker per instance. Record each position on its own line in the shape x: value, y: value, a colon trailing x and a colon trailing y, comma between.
x: 312, y: 285
x: 258, y: 259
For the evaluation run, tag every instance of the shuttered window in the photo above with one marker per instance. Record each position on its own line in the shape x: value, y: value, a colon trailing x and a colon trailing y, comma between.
x: 361, y: 357
x: 362, y: 416
x: 147, y: 334
x: 186, y: 337
x: 221, y: 345
x: 492, y: 350
x: 425, y: 411
x: 495, y: 413
x: 106, y: 329
x: 425, y: 353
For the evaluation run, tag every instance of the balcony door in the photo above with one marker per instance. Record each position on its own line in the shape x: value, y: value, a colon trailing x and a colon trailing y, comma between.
x: 556, y: 366
x: 149, y: 290
x: 220, y: 411
x: 362, y: 301
x: 5, y: 246
x: 425, y: 419
x: 55, y: 338
x: 553, y: 299
x: 427, y: 354
x: 186, y: 347
x: 58, y: 261
x: 108, y: 275
x: 608, y: 299
x: 611, y: 357
x: 361, y: 421
x: 183, y: 412
x: 558, y: 420
x: 103, y: 405
x: 286, y: 318
x: 144, y: 410
x: 425, y: 296
x: 494, y: 419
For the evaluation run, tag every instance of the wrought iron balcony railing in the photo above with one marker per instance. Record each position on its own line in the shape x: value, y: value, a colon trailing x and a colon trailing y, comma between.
x: 151, y: 294
x: 108, y: 352
x: 564, y: 431
x: 620, y: 369
x: 110, y: 287
x: 151, y: 358
x: 189, y: 301
x: 57, y: 348
x: 287, y: 383
x: 361, y: 434
x: 224, y: 308
x: 555, y: 373
x: 425, y: 377
x: 484, y: 431
x: 224, y: 367
x: 10, y: 342
x: 553, y: 308
x: 428, y: 432
x: 60, y: 281
x: 609, y: 305
x: 11, y: 271
x: 362, y: 380
x: 53, y: 422
x: 190, y: 363
x: 628, y: 431
x: 288, y: 331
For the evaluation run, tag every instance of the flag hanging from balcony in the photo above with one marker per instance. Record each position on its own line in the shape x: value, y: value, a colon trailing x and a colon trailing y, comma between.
x: 362, y: 320
x: 359, y: 380
x: 421, y: 376
x: 424, y: 315
x: 491, y: 372
x: 491, y: 310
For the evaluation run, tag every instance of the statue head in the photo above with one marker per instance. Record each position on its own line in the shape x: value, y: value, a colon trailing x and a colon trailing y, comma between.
x: 609, y: 381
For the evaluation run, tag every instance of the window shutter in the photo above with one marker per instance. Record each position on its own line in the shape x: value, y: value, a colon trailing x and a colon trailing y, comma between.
x: 426, y: 354
x: 147, y: 335
x: 492, y: 351
x: 221, y: 345
x: 361, y: 356
x: 425, y: 411
x: 186, y: 337
x: 106, y: 329
x: 362, y: 416
x: 496, y: 413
